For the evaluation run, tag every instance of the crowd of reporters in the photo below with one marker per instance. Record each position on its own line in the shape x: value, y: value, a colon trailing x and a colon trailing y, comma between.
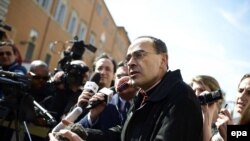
x: 59, y: 93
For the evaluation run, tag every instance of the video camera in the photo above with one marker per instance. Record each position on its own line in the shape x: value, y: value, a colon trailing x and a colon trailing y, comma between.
x: 73, y: 74
x: 210, y: 97
x: 74, y: 53
x: 16, y: 97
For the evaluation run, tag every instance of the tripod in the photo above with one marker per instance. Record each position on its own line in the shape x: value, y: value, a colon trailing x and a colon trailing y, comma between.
x: 13, y: 113
x: 17, y: 100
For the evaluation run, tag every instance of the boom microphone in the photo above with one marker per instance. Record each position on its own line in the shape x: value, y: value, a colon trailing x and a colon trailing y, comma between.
x: 51, y: 120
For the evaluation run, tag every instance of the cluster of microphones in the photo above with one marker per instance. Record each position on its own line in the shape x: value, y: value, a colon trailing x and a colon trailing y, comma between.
x: 90, y: 86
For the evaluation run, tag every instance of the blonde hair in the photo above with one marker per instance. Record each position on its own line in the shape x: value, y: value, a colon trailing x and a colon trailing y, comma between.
x: 210, y: 82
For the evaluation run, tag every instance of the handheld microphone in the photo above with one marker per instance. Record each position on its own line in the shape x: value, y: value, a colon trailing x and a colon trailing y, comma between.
x: 72, y: 116
x: 92, y: 84
x: 89, y: 86
x: 108, y: 92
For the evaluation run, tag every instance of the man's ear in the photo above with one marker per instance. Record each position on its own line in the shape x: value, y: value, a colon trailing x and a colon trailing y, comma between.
x: 164, y: 60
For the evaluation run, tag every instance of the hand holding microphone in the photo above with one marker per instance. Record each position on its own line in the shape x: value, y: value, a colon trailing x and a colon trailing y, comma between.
x: 73, y: 115
x: 90, y: 88
x: 104, y: 95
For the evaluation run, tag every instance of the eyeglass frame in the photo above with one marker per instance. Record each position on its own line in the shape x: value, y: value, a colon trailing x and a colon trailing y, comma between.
x: 37, y: 77
x: 137, y: 55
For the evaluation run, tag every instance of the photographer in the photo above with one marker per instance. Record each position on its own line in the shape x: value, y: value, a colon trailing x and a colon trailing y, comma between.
x: 39, y: 75
x: 203, y: 85
x: 68, y: 87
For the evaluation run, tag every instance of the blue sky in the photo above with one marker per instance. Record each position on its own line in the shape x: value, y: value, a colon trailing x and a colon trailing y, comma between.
x: 209, y: 37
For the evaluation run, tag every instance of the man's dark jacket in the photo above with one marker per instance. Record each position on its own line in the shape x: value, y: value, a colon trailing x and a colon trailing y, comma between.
x: 171, y: 113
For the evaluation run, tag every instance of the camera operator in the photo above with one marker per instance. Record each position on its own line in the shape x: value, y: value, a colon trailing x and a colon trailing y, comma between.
x: 8, y: 62
x: 39, y: 74
x: 8, y: 59
x: 68, y: 87
x: 203, y: 85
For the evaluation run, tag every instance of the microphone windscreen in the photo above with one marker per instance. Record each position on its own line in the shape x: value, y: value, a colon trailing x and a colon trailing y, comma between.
x: 78, y: 129
x: 72, y: 116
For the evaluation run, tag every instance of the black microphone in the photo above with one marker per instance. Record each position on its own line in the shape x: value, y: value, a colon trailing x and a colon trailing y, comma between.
x: 73, y: 115
x: 108, y: 94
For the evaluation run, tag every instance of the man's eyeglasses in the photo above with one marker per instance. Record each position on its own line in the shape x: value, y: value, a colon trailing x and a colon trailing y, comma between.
x: 37, y: 77
x: 137, y: 55
x: 7, y: 53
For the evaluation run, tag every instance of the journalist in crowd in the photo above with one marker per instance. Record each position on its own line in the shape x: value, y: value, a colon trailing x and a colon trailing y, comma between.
x: 107, y: 116
x: 8, y: 58
x: 68, y: 87
x: 165, y: 108
x: 211, y: 97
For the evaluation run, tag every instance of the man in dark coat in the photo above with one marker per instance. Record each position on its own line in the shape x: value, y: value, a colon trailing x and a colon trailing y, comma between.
x: 165, y: 109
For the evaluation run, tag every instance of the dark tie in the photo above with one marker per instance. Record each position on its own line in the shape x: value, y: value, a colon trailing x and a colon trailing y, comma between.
x: 127, y: 106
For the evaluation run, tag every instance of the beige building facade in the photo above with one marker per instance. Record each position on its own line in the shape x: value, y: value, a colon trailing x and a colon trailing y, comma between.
x: 40, y: 29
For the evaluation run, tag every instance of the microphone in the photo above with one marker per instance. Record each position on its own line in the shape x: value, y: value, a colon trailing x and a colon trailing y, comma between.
x: 89, y: 86
x: 108, y: 93
x: 123, y: 87
x: 51, y: 120
x: 92, y: 84
x: 72, y: 116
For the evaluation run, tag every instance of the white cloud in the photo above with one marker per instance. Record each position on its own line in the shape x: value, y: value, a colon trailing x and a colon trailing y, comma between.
x: 238, y: 17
